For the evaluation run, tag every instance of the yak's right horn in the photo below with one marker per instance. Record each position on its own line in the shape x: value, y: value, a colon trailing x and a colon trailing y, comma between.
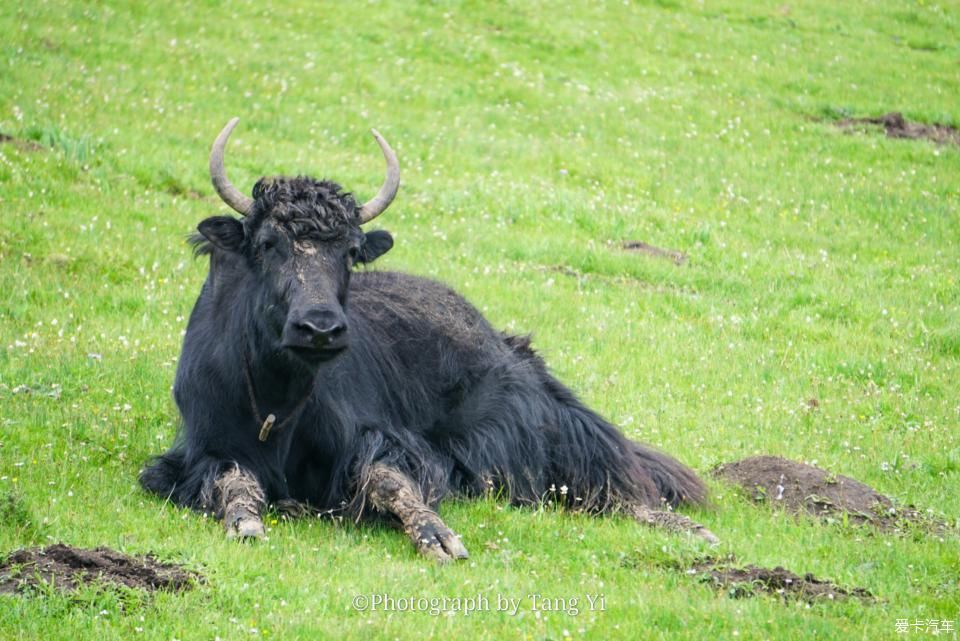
x: 228, y: 193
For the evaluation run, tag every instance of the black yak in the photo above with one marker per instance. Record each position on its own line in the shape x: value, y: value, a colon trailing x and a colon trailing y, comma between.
x: 373, y: 394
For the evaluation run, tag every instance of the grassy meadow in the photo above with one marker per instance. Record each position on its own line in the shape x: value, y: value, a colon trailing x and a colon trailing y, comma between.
x: 534, y: 139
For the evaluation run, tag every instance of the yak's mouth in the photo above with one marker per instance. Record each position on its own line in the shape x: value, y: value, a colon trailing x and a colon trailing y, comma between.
x: 315, y: 337
x: 316, y: 355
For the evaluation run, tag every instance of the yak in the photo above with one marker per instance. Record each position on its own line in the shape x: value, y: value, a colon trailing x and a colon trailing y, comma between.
x: 373, y: 395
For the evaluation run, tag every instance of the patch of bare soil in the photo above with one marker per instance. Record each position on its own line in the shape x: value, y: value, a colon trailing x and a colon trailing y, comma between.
x: 67, y: 568
x: 897, y: 126
x: 799, y: 487
x: 750, y: 580
x: 639, y: 246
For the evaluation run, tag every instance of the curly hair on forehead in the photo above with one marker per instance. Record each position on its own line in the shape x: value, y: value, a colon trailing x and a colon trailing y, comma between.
x: 305, y: 206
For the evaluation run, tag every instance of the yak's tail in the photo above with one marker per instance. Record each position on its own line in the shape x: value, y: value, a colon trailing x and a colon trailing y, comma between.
x: 675, y: 482
x: 634, y: 473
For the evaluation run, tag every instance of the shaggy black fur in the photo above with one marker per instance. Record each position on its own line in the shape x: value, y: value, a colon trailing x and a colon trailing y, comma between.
x: 427, y: 386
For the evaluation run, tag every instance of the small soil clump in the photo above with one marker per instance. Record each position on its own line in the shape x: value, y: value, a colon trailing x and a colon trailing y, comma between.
x: 799, y: 487
x: 897, y: 126
x: 750, y: 580
x: 67, y: 568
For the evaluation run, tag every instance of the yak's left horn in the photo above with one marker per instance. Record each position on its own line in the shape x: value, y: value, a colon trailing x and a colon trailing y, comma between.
x: 228, y: 193
x: 378, y: 204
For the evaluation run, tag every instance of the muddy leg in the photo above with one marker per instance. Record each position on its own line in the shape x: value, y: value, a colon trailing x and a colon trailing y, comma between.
x: 671, y: 521
x: 240, y: 501
x: 391, y: 491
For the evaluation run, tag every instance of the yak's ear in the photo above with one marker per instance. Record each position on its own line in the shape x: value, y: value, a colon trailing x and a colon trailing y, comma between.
x: 223, y: 232
x: 376, y: 245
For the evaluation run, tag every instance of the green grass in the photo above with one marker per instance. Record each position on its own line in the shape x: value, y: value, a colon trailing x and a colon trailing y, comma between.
x: 534, y: 138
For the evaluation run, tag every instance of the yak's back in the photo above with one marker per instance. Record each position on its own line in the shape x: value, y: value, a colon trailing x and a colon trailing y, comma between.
x: 413, y: 311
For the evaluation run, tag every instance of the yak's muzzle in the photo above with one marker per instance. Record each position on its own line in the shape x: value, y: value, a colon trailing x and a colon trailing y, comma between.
x: 315, y: 334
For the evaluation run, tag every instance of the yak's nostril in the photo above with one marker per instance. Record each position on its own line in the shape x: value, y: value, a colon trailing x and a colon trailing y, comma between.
x: 307, y: 328
x: 321, y: 334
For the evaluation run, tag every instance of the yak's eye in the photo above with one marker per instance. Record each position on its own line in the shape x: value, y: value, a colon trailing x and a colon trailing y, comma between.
x: 354, y: 254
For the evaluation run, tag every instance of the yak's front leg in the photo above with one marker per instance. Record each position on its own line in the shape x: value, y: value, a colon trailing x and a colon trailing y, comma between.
x: 239, y: 502
x: 393, y: 492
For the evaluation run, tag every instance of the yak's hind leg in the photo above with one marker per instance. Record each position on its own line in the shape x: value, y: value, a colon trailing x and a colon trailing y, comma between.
x: 669, y: 521
x: 391, y: 491
x: 239, y: 500
x: 676, y: 484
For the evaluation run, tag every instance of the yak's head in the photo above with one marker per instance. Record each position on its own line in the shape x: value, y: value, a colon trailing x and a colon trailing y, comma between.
x: 299, y: 238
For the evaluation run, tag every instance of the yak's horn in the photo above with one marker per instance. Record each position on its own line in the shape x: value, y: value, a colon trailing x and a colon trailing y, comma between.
x: 376, y: 205
x: 230, y: 194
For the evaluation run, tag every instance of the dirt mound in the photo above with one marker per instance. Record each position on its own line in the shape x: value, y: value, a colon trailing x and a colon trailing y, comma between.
x: 68, y: 568
x: 799, y: 487
x: 897, y: 126
x: 749, y: 580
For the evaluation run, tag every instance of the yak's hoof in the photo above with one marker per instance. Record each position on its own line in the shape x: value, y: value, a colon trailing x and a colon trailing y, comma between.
x: 245, y: 528
x: 436, y: 541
